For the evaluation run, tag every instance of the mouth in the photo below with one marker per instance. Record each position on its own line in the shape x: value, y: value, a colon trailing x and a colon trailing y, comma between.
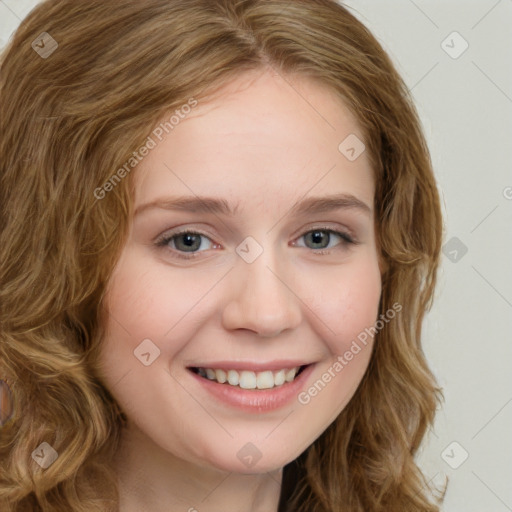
x: 248, y: 379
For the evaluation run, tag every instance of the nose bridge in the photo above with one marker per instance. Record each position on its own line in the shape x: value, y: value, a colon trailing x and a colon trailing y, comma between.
x: 261, y: 300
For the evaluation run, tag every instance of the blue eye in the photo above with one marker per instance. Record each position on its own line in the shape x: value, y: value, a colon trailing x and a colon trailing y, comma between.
x: 184, y: 241
x: 186, y: 244
x: 318, y: 236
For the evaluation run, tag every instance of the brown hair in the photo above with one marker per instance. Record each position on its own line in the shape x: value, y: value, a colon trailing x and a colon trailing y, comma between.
x: 70, y: 119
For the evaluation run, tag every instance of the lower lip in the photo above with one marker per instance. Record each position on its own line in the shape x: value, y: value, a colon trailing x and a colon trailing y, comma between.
x: 253, y: 400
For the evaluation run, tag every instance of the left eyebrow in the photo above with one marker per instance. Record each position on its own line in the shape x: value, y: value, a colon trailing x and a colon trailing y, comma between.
x: 309, y: 206
x: 322, y: 204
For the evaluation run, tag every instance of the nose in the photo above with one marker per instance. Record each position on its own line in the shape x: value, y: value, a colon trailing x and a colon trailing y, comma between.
x: 262, y: 297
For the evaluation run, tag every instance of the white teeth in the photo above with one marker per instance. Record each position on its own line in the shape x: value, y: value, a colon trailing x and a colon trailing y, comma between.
x: 279, y: 378
x: 248, y: 379
x: 265, y: 380
x: 221, y: 376
x: 233, y: 377
x: 290, y: 374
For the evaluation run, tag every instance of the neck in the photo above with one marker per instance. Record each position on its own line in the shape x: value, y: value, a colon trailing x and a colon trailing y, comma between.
x: 154, y: 480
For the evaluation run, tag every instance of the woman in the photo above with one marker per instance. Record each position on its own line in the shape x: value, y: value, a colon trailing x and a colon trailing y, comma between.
x: 265, y: 372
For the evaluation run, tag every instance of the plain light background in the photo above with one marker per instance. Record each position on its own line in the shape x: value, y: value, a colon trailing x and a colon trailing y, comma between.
x: 455, y: 56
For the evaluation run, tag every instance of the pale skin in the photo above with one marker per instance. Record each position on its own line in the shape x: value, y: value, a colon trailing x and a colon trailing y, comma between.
x: 264, y: 145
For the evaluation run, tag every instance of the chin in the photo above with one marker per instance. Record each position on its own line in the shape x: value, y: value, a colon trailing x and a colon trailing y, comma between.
x: 250, y: 467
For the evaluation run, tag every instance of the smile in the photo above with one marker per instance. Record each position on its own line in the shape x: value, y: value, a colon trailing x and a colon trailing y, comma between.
x: 248, y: 379
x: 252, y: 387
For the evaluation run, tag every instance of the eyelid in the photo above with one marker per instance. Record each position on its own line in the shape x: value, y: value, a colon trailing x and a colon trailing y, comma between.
x: 171, y: 234
x: 341, y: 230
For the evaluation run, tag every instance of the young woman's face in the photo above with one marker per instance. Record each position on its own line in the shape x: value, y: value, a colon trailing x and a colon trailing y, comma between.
x: 257, y: 292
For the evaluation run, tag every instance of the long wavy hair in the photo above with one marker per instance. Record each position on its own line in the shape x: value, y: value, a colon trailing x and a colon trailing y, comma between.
x: 70, y: 119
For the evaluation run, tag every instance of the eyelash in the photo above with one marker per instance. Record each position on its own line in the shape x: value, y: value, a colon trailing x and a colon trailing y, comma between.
x: 163, y: 241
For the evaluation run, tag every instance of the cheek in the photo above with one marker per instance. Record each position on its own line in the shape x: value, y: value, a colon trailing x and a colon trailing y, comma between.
x: 134, y: 315
x: 351, y: 303
x: 350, y: 310
x: 142, y: 303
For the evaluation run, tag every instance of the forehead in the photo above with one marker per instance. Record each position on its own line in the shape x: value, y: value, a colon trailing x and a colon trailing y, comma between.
x: 261, y: 134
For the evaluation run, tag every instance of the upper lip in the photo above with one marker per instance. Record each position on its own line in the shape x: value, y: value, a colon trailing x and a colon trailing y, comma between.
x: 274, y: 365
